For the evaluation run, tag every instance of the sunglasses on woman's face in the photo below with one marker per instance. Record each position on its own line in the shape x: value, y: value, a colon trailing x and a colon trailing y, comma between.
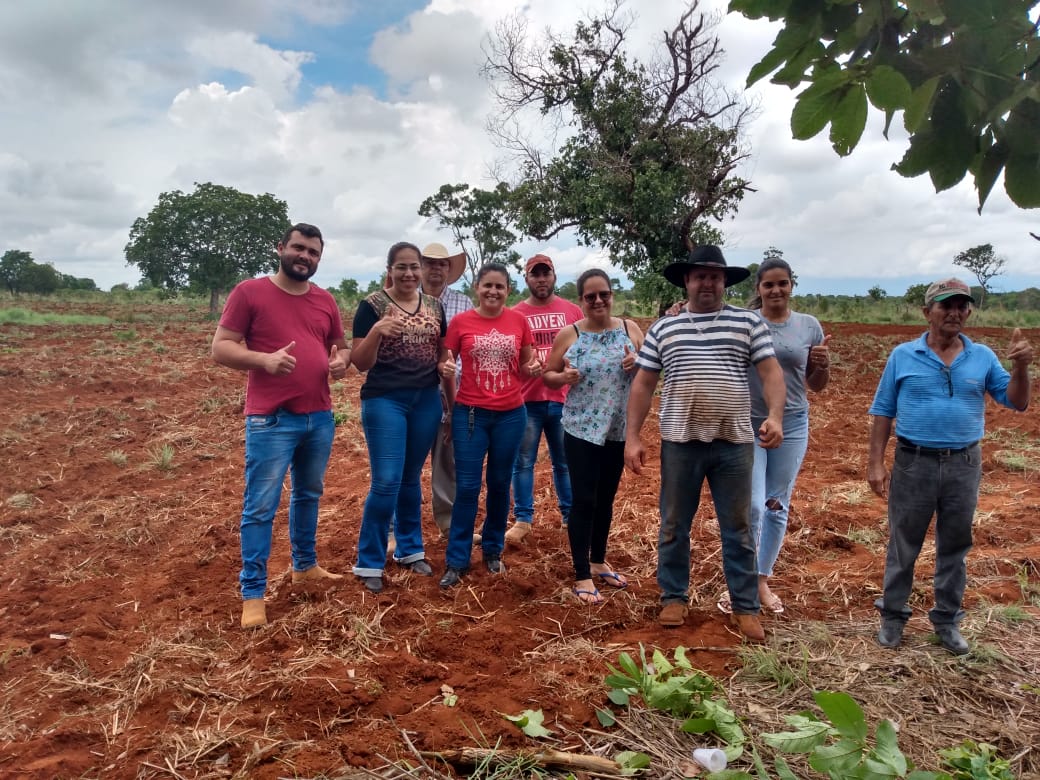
x: 603, y: 295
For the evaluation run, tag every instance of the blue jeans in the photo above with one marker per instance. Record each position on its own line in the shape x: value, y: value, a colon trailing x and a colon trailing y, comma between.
x: 772, y: 483
x: 399, y: 429
x: 478, y: 433
x: 923, y: 486
x: 277, y: 443
x: 542, y: 416
x: 727, y: 467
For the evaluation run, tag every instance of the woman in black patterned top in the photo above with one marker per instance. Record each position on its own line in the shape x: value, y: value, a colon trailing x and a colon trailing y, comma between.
x: 398, y: 340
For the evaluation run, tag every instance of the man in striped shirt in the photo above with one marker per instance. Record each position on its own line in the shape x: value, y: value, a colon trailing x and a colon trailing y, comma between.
x: 705, y: 418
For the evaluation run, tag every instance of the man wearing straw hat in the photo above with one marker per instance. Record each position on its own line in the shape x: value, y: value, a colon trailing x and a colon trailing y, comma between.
x: 439, y: 270
x: 706, y: 353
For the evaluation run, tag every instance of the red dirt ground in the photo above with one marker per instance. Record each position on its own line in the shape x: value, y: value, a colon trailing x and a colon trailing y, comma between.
x: 120, y: 652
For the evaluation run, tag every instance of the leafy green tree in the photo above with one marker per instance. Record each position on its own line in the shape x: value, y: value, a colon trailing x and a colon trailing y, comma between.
x: 209, y: 239
x: 652, y: 148
x: 13, y: 266
x: 963, y: 72
x: 914, y: 295
x: 479, y: 220
x: 983, y: 262
x: 39, y: 278
x: 569, y: 290
x: 69, y: 282
x: 744, y: 291
x: 877, y: 293
x: 348, y: 288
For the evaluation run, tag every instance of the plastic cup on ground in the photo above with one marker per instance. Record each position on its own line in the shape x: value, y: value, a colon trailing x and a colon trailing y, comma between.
x: 712, y: 759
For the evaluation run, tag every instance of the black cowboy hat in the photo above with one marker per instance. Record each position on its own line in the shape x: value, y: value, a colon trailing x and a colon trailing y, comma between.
x: 706, y: 256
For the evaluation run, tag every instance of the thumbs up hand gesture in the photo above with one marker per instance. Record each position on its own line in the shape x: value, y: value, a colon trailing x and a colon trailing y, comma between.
x: 534, y: 368
x: 571, y: 375
x: 819, y: 356
x: 337, y: 363
x: 1020, y: 352
x: 447, y: 366
x: 391, y: 324
x: 628, y: 362
x: 280, y: 362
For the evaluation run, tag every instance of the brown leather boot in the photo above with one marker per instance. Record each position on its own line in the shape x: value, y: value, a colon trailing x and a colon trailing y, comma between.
x: 518, y: 533
x: 749, y: 626
x: 312, y: 574
x: 672, y: 614
x: 254, y: 613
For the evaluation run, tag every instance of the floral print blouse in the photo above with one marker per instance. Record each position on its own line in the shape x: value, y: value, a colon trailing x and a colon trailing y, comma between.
x: 595, y: 406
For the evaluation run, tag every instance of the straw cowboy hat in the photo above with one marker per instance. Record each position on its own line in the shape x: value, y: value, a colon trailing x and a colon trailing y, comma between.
x: 456, y: 263
x: 706, y: 256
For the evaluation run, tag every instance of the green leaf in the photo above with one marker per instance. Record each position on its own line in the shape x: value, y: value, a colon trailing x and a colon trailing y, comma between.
x: 918, y: 157
x: 888, y: 89
x: 1022, y: 130
x: 801, y: 741
x: 812, y: 112
x: 783, y: 770
x: 969, y: 13
x: 872, y: 769
x: 843, y: 713
x: 618, y: 696
x: 930, y: 10
x: 919, y: 107
x: 886, y: 747
x: 842, y: 755
x: 988, y: 169
x: 1022, y: 180
x: 793, y: 73
x: 697, y: 725
x: 849, y: 119
x: 766, y: 65
x: 954, y: 149
x: 606, y: 718
x: 682, y: 662
x: 662, y: 666
x: 756, y: 9
x: 630, y: 759
x: 629, y: 666
x: 530, y: 722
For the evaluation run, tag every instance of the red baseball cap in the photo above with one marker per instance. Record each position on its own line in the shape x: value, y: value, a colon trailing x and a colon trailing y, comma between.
x: 538, y: 260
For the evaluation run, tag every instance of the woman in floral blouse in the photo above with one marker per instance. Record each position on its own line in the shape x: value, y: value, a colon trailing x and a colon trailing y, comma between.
x: 596, y: 357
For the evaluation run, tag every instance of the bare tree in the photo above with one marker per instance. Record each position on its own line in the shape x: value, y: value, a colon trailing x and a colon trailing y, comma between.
x: 648, y: 149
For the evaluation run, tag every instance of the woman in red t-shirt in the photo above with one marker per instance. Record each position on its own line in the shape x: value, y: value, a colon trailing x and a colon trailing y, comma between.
x: 488, y: 418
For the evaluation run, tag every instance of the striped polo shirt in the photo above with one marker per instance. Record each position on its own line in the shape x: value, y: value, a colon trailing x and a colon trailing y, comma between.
x: 705, y: 359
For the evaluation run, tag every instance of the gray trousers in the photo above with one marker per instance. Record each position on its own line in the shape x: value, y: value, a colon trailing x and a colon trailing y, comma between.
x: 442, y: 481
x: 922, y: 486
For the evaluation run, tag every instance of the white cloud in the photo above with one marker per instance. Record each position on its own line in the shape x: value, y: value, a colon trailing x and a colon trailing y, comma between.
x: 114, y: 103
x: 276, y: 73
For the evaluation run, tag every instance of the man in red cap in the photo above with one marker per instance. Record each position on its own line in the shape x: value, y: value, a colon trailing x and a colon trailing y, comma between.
x: 547, y: 314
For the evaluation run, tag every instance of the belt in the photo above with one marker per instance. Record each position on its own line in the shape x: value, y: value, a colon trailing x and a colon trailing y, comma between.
x: 931, y: 452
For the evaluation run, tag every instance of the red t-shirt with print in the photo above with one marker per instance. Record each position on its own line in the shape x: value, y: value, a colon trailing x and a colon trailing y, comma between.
x: 490, y: 351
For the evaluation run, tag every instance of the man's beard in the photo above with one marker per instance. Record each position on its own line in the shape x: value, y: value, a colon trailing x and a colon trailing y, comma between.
x: 288, y: 261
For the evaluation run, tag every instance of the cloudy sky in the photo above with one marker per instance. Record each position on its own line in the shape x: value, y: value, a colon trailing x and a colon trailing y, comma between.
x: 353, y: 112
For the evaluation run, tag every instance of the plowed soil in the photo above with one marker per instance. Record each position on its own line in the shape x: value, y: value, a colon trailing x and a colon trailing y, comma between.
x: 120, y: 650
